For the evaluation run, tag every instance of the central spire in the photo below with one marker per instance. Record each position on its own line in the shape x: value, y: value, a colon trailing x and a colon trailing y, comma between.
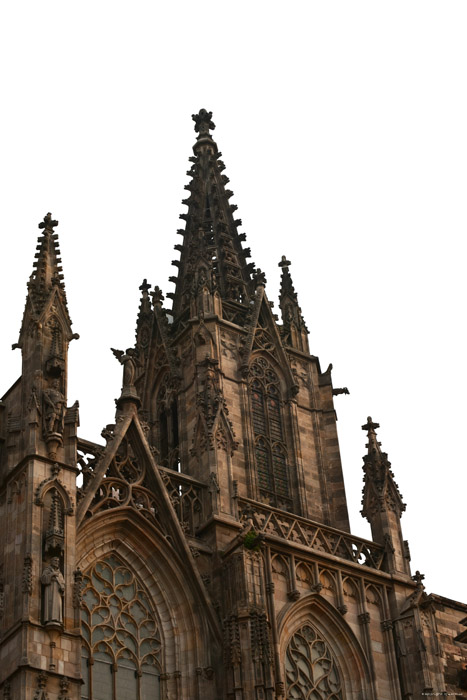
x: 212, y: 260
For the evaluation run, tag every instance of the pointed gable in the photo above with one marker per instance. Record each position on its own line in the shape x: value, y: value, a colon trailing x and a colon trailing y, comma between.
x: 125, y: 476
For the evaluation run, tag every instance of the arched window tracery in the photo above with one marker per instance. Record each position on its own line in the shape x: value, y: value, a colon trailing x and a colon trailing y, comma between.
x: 167, y: 413
x: 270, y: 447
x: 121, y: 655
x: 311, y: 670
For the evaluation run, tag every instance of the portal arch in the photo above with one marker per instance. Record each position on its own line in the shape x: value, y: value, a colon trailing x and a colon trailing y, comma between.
x: 122, y: 548
x: 311, y: 627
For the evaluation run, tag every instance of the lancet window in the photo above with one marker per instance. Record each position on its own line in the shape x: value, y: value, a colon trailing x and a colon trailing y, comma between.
x: 121, y: 654
x: 168, y: 426
x: 311, y: 670
x: 270, y: 447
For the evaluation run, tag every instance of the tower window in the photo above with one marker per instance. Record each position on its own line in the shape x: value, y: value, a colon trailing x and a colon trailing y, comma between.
x: 270, y: 448
x: 168, y: 427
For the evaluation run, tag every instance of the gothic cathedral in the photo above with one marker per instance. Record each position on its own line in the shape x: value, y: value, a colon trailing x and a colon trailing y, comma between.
x: 203, y: 551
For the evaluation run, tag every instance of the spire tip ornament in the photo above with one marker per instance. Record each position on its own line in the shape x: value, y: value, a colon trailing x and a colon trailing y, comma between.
x: 48, y: 223
x: 203, y: 122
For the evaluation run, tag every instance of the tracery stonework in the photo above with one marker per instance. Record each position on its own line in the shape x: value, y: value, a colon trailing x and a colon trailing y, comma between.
x: 120, y: 633
x: 270, y: 448
x: 310, y: 667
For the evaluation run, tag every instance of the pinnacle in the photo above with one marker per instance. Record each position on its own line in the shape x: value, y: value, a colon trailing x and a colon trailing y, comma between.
x: 377, y: 469
x: 370, y: 427
x: 294, y: 330
x: 287, y: 287
x: 47, y: 271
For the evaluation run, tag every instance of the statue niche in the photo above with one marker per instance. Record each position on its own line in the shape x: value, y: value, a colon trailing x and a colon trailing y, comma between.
x: 53, y: 417
x: 53, y: 544
x: 53, y: 589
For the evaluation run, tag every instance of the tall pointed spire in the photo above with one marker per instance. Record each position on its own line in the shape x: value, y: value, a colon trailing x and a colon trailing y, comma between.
x: 382, y: 502
x: 44, y: 337
x: 47, y: 271
x: 212, y: 260
x: 380, y: 490
x: 294, y: 330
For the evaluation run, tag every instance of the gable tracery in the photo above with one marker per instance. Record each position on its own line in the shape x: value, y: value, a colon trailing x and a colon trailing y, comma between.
x: 125, y: 484
x: 122, y: 649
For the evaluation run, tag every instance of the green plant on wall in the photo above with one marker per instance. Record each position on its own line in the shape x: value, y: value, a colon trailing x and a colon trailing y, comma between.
x: 252, y: 541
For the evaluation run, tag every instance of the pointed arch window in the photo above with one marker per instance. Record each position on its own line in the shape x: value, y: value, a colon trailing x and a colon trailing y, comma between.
x: 121, y: 654
x: 311, y: 671
x: 168, y: 426
x: 270, y: 447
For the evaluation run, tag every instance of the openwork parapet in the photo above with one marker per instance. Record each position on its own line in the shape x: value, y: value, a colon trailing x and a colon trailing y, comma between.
x: 275, y: 523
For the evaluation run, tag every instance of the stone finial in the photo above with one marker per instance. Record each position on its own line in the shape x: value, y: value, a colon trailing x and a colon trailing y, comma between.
x: 144, y: 286
x: 260, y: 278
x: 48, y: 223
x: 157, y: 296
x: 203, y: 122
x: 284, y: 262
x: 418, y: 578
x: 371, y: 428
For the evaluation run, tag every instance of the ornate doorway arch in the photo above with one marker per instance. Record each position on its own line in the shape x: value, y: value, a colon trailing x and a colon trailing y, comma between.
x: 311, y: 671
x: 322, y: 658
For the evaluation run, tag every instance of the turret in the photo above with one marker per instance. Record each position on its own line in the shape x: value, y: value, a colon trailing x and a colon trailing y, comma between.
x: 294, y: 330
x: 47, y: 426
x: 382, y: 503
x: 39, y: 475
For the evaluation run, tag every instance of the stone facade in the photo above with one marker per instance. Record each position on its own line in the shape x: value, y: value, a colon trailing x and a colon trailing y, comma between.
x: 203, y: 550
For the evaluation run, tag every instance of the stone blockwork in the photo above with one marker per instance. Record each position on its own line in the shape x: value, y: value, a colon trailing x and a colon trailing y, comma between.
x: 203, y: 550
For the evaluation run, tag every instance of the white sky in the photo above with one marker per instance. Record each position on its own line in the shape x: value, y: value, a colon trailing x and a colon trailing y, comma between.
x: 343, y: 129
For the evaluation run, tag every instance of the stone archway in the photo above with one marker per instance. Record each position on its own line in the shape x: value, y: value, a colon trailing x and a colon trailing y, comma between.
x: 154, y: 567
x: 322, y: 658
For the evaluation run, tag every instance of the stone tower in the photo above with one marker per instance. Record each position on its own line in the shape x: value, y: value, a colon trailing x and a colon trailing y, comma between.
x: 38, y: 472
x: 203, y: 550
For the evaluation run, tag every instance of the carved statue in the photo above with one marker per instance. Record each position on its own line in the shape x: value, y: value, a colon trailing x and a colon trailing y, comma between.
x: 128, y: 360
x: 54, y: 588
x: 54, y: 408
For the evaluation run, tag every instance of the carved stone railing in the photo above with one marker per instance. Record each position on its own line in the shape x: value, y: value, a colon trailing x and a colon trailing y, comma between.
x: 320, y: 538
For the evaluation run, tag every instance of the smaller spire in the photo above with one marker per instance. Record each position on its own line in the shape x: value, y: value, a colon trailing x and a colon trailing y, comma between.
x: 144, y: 325
x: 47, y: 271
x: 157, y: 296
x: 294, y: 330
x: 380, y: 490
x: 372, y: 444
x: 382, y: 503
x: 145, y: 306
